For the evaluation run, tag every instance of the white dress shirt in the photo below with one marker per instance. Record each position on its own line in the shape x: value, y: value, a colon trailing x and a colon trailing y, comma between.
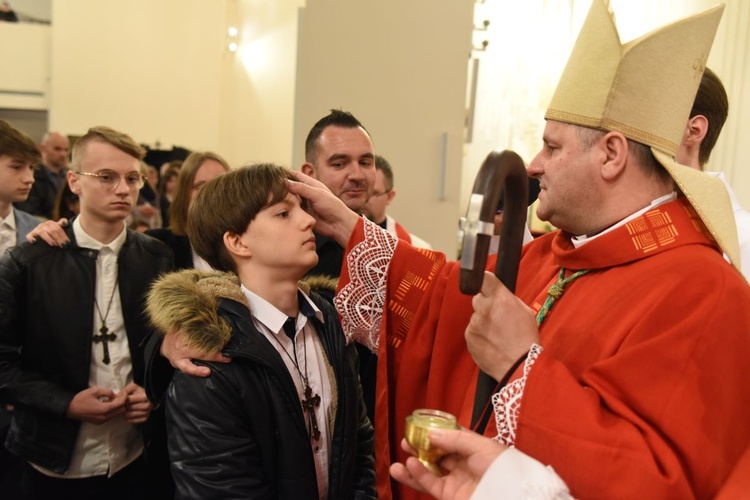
x: 8, y: 232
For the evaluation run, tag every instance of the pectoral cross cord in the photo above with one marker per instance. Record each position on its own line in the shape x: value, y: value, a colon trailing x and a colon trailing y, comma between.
x: 555, y: 292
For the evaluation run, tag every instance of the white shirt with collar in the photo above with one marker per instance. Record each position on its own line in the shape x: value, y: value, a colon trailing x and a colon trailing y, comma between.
x: 107, y: 448
x: 311, y: 360
x: 8, y: 232
x: 579, y: 241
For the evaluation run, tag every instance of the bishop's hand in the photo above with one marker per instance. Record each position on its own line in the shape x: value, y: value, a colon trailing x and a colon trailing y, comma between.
x: 501, y: 330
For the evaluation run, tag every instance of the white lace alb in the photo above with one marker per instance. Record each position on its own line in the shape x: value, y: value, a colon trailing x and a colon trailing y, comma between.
x: 360, y: 302
x: 507, y: 402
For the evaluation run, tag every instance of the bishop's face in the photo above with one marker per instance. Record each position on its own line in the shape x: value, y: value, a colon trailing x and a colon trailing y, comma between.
x: 567, y: 174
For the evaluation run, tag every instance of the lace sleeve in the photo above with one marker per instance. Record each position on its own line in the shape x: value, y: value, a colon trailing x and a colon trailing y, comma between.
x: 360, y: 301
x: 507, y: 402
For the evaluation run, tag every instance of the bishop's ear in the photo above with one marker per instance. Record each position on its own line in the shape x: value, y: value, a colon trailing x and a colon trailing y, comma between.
x: 614, y: 147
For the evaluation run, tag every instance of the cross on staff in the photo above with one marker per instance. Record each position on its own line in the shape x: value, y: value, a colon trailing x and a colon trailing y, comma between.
x: 107, y: 337
x: 309, y: 404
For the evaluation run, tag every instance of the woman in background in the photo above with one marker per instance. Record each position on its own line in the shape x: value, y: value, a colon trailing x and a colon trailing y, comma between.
x: 197, y: 169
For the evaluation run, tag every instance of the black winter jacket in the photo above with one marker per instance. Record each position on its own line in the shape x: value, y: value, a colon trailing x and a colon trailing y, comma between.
x: 241, y: 433
x: 46, y: 328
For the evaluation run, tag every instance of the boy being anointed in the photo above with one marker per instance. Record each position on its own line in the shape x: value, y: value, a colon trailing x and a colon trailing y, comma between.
x: 284, y: 419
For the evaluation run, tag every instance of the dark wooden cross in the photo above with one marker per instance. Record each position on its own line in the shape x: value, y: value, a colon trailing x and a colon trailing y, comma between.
x: 107, y: 337
x: 309, y: 404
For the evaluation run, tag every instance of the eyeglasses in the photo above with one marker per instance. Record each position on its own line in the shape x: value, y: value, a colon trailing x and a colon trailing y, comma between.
x: 110, y: 179
x: 375, y: 195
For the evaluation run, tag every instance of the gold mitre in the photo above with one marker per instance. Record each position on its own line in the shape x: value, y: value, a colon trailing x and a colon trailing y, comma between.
x: 645, y: 90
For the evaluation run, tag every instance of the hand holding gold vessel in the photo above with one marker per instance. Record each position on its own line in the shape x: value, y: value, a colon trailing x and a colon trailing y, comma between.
x: 416, y: 432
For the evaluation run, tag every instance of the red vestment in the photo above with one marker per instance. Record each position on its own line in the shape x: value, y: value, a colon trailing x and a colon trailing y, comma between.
x: 639, y: 390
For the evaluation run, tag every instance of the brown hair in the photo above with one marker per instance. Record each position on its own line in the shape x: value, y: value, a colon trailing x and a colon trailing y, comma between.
x: 18, y: 145
x: 178, y: 209
x: 385, y: 167
x: 712, y: 102
x: 229, y: 203
x: 121, y: 141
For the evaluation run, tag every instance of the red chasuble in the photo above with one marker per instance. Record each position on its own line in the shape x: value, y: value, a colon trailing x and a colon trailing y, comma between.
x: 640, y: 389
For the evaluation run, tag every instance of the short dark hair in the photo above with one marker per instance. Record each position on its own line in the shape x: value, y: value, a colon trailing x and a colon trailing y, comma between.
x: 385, y: 167
x: 18, y: 145
x: 336, y: 118
x: 712, y: 102
x: 229, y: 203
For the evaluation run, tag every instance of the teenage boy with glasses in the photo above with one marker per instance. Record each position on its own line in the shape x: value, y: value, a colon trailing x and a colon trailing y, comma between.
x: 71, y: 330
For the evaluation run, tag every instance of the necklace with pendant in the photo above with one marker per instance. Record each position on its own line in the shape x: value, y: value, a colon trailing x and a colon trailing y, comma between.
x: 311, y: 400
x: 105, y: 336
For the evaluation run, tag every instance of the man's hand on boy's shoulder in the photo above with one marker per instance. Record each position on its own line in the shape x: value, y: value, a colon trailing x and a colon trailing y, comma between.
x: 51, y: 232
x: 181, y: 355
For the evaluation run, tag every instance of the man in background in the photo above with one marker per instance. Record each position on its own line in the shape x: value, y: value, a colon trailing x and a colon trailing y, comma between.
x: 382, y: 196
x: 339, y: 153
x: 48, y: 179
x: 707, y: 118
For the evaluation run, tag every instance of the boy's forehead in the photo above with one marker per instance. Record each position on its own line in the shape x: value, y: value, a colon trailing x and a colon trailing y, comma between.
x: 10, y: 159
x: 287, y: 199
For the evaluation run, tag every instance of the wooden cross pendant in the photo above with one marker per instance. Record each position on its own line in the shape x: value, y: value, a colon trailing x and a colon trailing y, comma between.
x: 309, y: 404
x: 105, y: 338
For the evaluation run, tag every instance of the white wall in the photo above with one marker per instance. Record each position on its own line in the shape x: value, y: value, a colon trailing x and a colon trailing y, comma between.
x: 25, y: 63
x: 151, y: 69
x: 259, y: 81
x: 161, y: 71
x: 400, y: 68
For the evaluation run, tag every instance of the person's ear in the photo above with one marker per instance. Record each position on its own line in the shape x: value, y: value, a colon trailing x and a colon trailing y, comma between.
x: 695, y: 131
x: 235, y: 246
x: 73, y: 182
x: 308, y: 169
x: 389, y: 197
x: 614, y: 155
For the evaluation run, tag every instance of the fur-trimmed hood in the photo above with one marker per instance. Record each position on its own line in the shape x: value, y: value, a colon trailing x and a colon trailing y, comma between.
x: 188, y: 301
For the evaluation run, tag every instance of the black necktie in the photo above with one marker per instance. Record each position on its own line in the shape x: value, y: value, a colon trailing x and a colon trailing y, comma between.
x: 290, y: 327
